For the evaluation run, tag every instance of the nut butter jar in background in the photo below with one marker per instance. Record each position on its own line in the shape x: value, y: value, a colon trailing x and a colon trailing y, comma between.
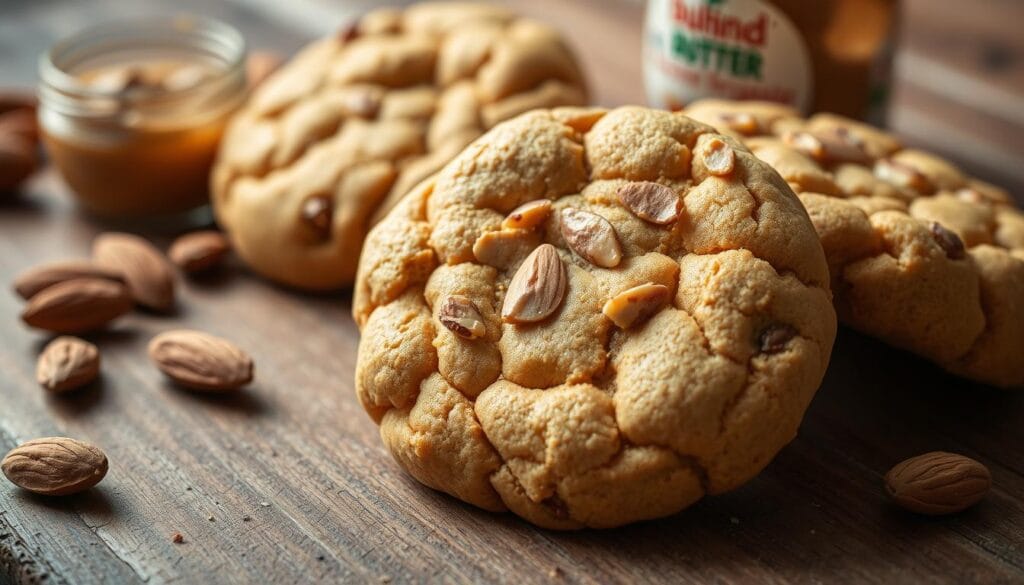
x: 815, y: 55
x: 131, y: 113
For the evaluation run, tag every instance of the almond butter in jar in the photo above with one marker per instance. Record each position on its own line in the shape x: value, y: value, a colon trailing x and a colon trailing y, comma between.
x: 814, y: 55
x: 132, y: 113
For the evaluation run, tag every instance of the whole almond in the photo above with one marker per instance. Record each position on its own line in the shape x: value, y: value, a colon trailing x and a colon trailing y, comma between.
x: 30, y: 282
x: 199, y: 251
x: 938, y: 483
x: 461, y: 317
x: 20, y: 122
x: 591, y: 236
x: 528, y: 215
x: 537, y: 289
x: 652, y: 202
x: 55, y: 466
x: 201, y: 361
x: 67, y: 363
x: 634, y: 305
x: 18, y: 160
x: 150, y: 277
x: 17, y: 99
x: 77, y: 305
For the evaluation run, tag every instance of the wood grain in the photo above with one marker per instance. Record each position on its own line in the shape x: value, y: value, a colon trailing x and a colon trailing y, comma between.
x: 299, y: 489
x: 297, y: 485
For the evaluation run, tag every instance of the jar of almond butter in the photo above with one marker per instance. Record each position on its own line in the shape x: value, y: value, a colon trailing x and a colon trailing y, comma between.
x: 815, y: 55
x: 132, y: 112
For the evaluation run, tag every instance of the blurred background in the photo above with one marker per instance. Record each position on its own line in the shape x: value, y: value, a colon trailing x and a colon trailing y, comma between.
x: 958, y: 82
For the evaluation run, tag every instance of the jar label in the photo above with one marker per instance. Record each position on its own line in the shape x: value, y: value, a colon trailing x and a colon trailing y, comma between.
x: 732, y: 49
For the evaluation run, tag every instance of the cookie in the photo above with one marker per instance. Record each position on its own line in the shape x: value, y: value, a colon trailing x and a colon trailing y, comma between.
x: 592, y: 317
x: 327, y: 145
x: 921, y: 256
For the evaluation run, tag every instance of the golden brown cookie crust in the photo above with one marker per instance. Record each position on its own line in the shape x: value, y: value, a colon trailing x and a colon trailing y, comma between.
x: 570, y: 420
x: 921, y: 255
x: 328, y: 144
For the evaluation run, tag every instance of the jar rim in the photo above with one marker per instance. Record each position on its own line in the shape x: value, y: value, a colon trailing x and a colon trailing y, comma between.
x: 218, y: 40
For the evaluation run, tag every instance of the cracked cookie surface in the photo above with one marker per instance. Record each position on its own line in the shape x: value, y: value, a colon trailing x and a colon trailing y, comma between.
x: 592, y: 318
x: 327, y: 145
x: 921, y: 256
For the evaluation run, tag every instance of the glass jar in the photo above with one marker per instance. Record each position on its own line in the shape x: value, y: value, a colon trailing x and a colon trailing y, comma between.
x: 815, y: 55
x: 131, y: 113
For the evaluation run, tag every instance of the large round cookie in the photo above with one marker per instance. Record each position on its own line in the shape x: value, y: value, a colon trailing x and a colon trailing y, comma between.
x: 922, y: 256
x: 327, y: 145
x: 591, y: 318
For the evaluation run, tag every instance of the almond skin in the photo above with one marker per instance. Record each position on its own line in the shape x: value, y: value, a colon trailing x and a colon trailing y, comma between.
x: 537, y: 289
x: 461, y: 317
x: 938, y: 483
x: 77, y: 305
x: 199, y: 251
x: 651, y: 202
x: 67, y: 363
x: 34, y: 280
x: 148, y: 273
x: 201, y: 361
x: 55, y: 466
x: 591, y: 236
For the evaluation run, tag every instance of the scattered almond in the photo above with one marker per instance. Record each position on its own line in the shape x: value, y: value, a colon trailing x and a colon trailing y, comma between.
x: 17, y: 99
x: 55, y: 466
x: 150, y: 277
x: 504, y: 248
x: 528, y: 215
x: 537, y: 289
x: 591, y: 236
x: 67, y: 363
x: 719, y: 157
x: 461, y: 316
x: 635, y: 305
x: 19, y: 138
x: 651, y: 202
x: 18, y: 160
x: 199, y: 251
x: 201, y: 361
x: 77, y: 305
x: 33, y: 280
x: 938, y: 483
x: 20, y: 122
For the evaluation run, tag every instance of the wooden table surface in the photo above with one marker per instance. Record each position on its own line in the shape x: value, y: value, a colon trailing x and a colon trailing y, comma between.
x: 287, y: 481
